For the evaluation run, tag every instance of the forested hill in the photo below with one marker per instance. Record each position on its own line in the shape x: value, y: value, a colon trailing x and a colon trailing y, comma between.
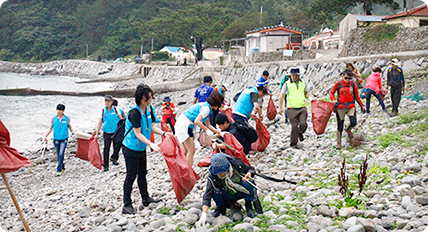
x: 41, y: 30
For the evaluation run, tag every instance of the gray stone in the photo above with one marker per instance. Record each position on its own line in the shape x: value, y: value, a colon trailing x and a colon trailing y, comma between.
x: 370, y: 214
x: 368, y: 225
x: 301, y: 189
x: 221, y: 220
x: 371, y: 193
x: 359, y: 158
x: 206, y: 230
x: 406, y: 201
x: 423, y: 200
x: 356, y: 212
x: 194, y: 211
x: 339, y: 230
x: 356, y: 228
x: 158, y: 223
x: 280, y: 228
x: 142, y: 222
x: 400, y: 211
x: 98, y: 220
x: 197, y: 205
x: 420, y: 61
x: 414, y: 208
x: 387, y: 222
x: 85, y: 212
x: 325, y: 211
x: 382, y: 63
x: 244, y: 226
x: 115, y: 228
x: 191, y: 218
x: 103, y: 229
x: 121, y: 222
x: 408, y: 192
x: 419, y: 190
x: 344, y: 212
x: 130, y: 226
x: 380, y: 229
x: 413, y: 181
x: 314, y: 227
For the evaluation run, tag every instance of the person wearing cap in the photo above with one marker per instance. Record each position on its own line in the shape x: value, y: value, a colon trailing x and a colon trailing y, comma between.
x: 263, y: 81
x: 203, y: 92
x: 169, y: 112
x: 110, y: 116
x: 395, y: 80
x: 60, y: 124
x: 347, y: 95
x: 222, y: 89
x: 228, y: 182
x: 373, y: 87
x: 296, y: 92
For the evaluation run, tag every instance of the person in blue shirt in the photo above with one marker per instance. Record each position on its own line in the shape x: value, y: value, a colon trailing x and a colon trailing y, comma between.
x: 197, y: 114
x: 110, y: 116
x: 60, y: 124
x: 263, y: 81
x: 247, y: 102
x: 202, y: 93
x: 139, y: 125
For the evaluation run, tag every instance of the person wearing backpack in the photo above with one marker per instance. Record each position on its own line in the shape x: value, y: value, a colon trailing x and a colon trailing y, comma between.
x: 244, y: 133
x: 395, y: 80
x: 110, y: 116
x: 285, y: 79
x: 296, y: 92
x: 140, y: 124
x: 169, y: 113
x: 347, y: 94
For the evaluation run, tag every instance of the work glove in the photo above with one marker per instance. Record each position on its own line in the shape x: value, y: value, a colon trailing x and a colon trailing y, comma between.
x: 202, y: 221
x: 214, y: 146
x: 154, y: 147
x: 363, y: 109
x: 210, y: 133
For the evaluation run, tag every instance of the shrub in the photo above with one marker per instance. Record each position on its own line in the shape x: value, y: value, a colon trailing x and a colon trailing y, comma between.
x: 381, y: 33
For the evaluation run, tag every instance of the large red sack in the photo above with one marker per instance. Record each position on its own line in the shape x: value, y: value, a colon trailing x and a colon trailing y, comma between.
x: 94, y: 153
x: 165, y: 127
x: 183, y: 177
x: 233, y: 142
x: 82, y: 149
x: 264, y: 136
x: 271, y: 110
x: 228, y: 113
x: 204, y: 139
x: 383, y: 93
x: 10, y: 159
x: 321, y: 112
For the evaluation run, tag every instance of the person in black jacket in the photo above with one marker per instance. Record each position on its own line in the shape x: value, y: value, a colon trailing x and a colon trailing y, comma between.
x: 395, y: 80
x: 227, y: 183
x: 226, y: 126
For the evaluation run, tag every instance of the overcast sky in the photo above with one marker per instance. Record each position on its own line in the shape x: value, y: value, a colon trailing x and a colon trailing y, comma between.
x: 1, y: 2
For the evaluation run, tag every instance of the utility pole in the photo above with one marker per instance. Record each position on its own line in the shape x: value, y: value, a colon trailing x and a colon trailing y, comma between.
x: 141, y: 50
x: 261, y: 15
x: 87, y: 50
x: 152, y: 43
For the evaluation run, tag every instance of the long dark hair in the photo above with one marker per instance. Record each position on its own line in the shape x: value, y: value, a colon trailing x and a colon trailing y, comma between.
x: 142, y: 90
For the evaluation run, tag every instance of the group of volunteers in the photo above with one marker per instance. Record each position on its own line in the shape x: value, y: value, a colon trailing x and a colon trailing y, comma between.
x: 230, y: 178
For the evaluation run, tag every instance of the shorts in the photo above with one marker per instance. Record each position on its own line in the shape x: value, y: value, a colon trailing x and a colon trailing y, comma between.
x: 342, y: 112
x: 183, y: 128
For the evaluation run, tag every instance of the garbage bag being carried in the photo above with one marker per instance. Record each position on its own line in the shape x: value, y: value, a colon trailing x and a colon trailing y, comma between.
x: 238, y: 151
x: 264, y: 136
x: 228, y: 113
x: 271, y: 109
x: 321, y: 112
x: 10, y: 159
x: 183, y: 177
x: 83, y: 144
x: 204, y: 139
x: 89, y: 150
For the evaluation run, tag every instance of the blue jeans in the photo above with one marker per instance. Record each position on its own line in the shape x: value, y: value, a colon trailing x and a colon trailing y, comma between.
x: 370, y: 92
x: 60, y: 146
x: 221, y: 199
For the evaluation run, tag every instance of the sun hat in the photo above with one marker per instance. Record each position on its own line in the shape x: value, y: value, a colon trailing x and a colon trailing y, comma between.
x: 166, y: 99
x: 295, y: 71
x: 226, y: 86
x: 219, y: 164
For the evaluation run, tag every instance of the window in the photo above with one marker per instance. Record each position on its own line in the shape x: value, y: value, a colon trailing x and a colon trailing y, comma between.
x: 423, y: 23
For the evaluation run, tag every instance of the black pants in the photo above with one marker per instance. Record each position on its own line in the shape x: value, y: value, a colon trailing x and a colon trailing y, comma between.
x: 136, y: 166
x: 169, y: 121
x: 213, y: 117
x: 395, y: 97
x: 107, y: 143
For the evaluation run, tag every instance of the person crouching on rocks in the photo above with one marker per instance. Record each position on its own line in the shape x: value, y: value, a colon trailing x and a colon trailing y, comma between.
x: 227, y: 183
x: 141, y: 119
x: 347, y: 94
x: 197, y: 114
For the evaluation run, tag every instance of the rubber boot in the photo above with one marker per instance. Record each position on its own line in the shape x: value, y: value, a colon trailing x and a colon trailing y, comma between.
x: 258, y: 206
x: 220, y: 210
x: 249, y: 208
x: 339, y: 140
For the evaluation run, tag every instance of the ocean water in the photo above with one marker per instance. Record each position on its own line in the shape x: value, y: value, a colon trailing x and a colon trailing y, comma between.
x: 28, y: 117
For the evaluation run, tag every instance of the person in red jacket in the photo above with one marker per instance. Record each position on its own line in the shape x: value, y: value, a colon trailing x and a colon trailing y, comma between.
x: 347, y: 95
x: 169, y: 113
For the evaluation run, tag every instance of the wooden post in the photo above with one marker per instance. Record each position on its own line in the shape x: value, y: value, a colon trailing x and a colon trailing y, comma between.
x: 27, y: 228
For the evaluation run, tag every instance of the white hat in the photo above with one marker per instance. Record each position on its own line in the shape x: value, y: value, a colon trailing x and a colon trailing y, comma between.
x: 395, y: 62
x: 226, y: 86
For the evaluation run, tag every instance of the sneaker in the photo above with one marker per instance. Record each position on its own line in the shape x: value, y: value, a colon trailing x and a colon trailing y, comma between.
x: 301, y: 137
x: 338, y: 147
x: 105, y: 168
x: 384, y: 111
x: 58, y: 173
x: 294, y: 145
x: 128, y: 210
x: 114, y: 161
x: 258, y: 206
x: 393, y: 114
x: 149, y: 200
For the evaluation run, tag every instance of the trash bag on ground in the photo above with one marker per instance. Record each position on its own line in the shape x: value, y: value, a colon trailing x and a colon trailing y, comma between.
x: 271, y: 110
x: 321, y: 112
x: 204, y: 139
x: 183, y: 177
x: 10, y: 159
x: 238, y: 151
x: 228, y: 113
x: 264, y: 136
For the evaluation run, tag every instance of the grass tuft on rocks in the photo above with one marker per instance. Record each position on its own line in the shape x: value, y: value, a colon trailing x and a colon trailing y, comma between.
x: 381, y: 33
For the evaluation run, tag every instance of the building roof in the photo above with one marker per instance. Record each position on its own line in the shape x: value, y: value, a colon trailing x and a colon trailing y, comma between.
x: 172, y: 49
x: 368, y: 18
x: 418, y: 11
x: 279, y: 27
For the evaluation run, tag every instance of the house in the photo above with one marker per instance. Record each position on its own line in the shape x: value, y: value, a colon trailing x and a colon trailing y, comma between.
x: 173, y: 51
x: 327, y: 39
x: 212, y: 53
x: 272, y: 38
x: 416, y: 17
x: 352, y: 21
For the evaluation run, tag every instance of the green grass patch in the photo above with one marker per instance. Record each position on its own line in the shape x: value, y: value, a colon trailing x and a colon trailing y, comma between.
x: 389, y: 138
x: 381, y: 33
x: 408, y: 118
x: 164, y: 210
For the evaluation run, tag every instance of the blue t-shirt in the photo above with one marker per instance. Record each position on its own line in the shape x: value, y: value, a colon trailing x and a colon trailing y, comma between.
x: 203, y: 92
x: 262, y: 82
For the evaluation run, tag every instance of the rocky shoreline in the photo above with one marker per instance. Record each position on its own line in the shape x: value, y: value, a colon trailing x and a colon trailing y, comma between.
x: 87, y: 199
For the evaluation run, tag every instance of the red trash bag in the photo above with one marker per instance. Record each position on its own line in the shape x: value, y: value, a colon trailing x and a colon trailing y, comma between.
x: 383, y: 93
x: 82, y: 149
x: 94, y: 153
x: 10, y: 159
x: 271, y: 110
x: 234, y: 143
x: 183, y: 177
x: 204, y: 139
x: 321, y: 112
x: 165, y: 127
x: 228, y: 113
x: 264, y: 136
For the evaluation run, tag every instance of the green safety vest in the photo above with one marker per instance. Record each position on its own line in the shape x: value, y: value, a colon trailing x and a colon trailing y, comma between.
x: 295, y: 96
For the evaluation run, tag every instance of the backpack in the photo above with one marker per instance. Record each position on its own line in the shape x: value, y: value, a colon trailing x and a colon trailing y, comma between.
x: 338, y: 94
x: 284, y: 79
x: 120, y: 134
x: 247, y: 131
x: 235, y: 98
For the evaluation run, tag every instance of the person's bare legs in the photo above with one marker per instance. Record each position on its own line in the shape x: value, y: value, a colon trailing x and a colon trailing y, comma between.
x: 189, y: 150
